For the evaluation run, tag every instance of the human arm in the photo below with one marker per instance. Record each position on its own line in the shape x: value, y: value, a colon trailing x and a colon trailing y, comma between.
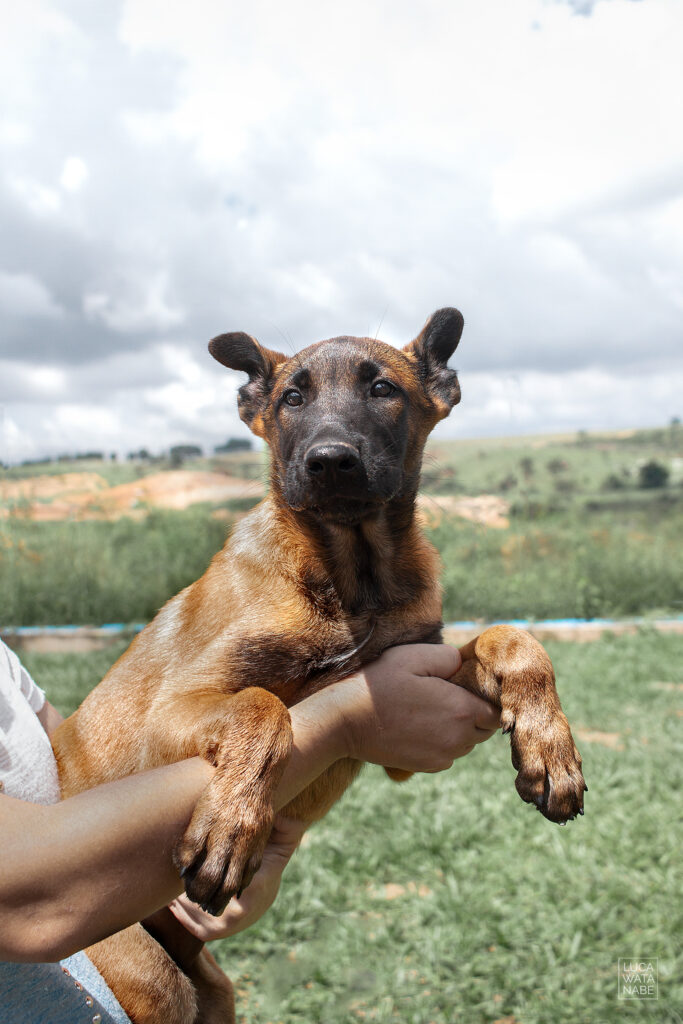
x: 399, y: 712
x: 49, y: 717
x: 76, y: 871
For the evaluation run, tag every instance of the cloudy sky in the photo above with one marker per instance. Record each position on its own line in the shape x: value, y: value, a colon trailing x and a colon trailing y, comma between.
x: 301, y: 169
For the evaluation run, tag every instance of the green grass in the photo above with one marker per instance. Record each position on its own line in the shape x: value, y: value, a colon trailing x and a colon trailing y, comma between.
x: 503, y: 916
x: 537, y: 468
x: 560, y: 564
x: 573, y: 548
x: 564, y: 565
x: 113, y: 472
x: 94, y: 572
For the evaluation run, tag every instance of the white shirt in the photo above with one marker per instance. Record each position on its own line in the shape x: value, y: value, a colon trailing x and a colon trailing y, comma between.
x: 72, y: 991
x: 28, y: 770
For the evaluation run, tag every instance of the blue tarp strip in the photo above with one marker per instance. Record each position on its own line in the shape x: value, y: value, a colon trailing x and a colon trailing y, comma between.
x: 135, y: 627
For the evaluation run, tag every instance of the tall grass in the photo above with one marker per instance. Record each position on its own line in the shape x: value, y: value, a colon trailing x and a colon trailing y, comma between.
x: 94, y: 572
x: 577, y: 544
x: 565, y: 564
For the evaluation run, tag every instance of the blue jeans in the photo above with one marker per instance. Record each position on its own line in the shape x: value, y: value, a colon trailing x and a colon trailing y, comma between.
x: 70, y: 992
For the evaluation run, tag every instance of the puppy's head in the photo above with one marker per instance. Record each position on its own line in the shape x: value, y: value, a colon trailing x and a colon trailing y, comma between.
x: 347, y: 418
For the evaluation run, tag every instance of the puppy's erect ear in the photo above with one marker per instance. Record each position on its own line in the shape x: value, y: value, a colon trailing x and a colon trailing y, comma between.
x: 239, y: 351
x: 433, y: 347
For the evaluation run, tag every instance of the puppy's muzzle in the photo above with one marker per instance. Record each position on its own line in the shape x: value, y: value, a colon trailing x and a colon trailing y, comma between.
x: 333, y: 466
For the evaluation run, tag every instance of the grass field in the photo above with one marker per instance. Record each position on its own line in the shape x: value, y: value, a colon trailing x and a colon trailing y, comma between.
x: 583, y: 538
x: 447, y: 900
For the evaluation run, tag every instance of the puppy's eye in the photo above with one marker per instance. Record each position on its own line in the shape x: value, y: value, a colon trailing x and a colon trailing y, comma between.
x: 293, y: 397
x: 382, y: 389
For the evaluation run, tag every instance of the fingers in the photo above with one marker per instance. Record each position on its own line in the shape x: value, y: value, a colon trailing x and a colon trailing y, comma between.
x: 474, y: 719
x: 200, y: 924
x: 468, y: 706
x: 287, y: 831
x: 284, y: 839
x: 431, y: 659
x: 488, y: 719
x: 485, y: 716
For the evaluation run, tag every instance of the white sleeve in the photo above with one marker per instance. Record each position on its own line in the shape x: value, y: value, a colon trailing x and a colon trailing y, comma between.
x: 33, y: 693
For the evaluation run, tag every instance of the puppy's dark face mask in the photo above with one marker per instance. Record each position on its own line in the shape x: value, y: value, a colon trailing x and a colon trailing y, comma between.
x: 347, y: 418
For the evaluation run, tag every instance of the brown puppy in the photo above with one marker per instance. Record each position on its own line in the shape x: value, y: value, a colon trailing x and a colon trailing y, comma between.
x: 327, y: 572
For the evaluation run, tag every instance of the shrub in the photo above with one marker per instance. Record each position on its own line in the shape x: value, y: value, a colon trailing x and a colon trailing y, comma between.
x: 507, y: 483
x: 613, y: 482
x: 653, y: 474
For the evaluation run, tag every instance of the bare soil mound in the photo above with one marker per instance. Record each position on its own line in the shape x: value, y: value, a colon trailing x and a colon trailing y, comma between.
x: 44, y: 488
x: 87, y: 495
x: 487, y: 509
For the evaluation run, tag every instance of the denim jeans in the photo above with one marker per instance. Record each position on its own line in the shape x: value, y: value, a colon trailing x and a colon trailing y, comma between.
x: 70, y: 992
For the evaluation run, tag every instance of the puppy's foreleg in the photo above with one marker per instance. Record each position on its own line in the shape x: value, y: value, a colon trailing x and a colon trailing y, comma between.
x: 509, y: 668
x: 248, y: 736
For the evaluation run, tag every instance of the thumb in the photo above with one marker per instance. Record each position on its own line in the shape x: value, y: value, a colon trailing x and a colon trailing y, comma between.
x: 437, y: 660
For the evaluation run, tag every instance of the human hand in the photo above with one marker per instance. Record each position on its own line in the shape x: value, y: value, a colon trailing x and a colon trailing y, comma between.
x: 401, y: 712
x: 257, y: 897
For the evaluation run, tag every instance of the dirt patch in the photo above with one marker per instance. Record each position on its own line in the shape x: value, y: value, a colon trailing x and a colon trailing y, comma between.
x: 181, y: 488
x: 487, y: 509
x: 87, y: 496
x: 393, y: 891
x: 668, y: 687
x: 604, y: 739
x: 44, y: 488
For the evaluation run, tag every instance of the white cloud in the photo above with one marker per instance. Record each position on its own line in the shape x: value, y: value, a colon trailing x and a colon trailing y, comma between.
x: 83, y: 421
x: 593, y: 110
x: 301, y: 170
x: 309, y: 283
x: 144, y: 308
x: 40, y: 199
x: 74, y: 174
x: 14, y: 133
x: 535, y: 402
x: 21, y: 295
x: 45, y: 380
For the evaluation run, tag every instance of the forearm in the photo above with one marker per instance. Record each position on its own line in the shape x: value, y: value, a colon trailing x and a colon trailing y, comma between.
x: 393, y: 715
x: 77, y: 871
x: 398, y: 711
x: 319, y: 739
x: 82, y: 869
x: 91, y: 865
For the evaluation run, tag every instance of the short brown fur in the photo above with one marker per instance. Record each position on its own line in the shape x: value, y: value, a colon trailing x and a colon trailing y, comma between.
x: 293, y: 602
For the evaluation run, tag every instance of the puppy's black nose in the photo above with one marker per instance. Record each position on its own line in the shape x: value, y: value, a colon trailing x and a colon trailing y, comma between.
x: 325, y: 462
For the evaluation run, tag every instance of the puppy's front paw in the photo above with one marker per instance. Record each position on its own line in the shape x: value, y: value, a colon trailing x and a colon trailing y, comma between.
x: 547, y: 762
x: 223, y: 845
